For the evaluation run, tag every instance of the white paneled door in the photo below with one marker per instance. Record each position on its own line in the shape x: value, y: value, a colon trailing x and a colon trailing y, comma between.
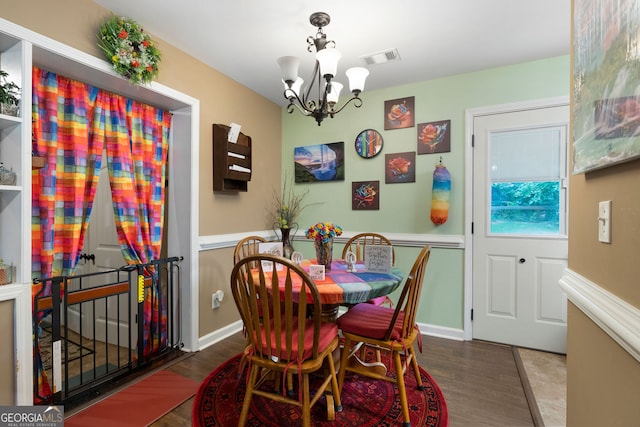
x: 520, y: 227
x: 101, y: 244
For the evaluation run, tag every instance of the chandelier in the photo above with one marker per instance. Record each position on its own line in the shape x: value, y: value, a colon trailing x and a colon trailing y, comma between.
x: 326, y: 66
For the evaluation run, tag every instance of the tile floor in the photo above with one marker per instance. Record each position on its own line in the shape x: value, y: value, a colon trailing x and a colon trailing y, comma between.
x: 547, y: 375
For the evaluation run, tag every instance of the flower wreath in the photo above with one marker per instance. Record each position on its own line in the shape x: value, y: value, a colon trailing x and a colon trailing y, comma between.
x: 130, y: 50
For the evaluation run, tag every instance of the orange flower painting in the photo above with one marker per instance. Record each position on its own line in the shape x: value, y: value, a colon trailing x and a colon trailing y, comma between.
x: 400, y: 167
x: 434, y: 137
x: 399, y: 113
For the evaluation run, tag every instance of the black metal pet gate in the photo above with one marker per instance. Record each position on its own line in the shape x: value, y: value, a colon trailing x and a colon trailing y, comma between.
x: 93, y: 330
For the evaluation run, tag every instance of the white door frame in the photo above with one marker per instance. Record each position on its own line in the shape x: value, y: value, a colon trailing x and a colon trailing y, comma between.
x: 183, y: 193
x: 470, y: 115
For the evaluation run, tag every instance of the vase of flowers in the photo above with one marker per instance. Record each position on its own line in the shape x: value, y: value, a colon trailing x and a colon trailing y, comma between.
x: 287, y: 205
x: 322, y: 234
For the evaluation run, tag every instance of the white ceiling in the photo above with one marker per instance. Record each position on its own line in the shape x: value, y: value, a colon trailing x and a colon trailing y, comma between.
x: 435, y: 38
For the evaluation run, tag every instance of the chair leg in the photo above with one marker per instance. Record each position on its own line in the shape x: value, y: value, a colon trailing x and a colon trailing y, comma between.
x: 363, y: 354
x: 334, y: 385
x: 243, y: 361
x: 306, y: 404
x: 416, y: 369
x: 344, y: 357
x: 248, y: 394
x: 290, y: 390
x: 401, y: 388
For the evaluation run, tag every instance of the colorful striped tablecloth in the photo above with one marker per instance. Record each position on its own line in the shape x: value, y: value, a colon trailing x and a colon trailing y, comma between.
x: 343, y: 287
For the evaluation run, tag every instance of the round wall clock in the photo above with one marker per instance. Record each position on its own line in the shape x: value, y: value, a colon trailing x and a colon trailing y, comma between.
x: 368, y: 143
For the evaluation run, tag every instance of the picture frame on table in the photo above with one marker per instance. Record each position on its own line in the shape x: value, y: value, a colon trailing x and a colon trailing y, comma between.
x: 272, y: 248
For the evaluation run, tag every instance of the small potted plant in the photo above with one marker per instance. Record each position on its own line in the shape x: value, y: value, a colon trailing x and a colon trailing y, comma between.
x: 9, y: 95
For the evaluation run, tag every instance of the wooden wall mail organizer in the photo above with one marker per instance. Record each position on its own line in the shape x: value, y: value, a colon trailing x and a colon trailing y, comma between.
x: 231, y: 161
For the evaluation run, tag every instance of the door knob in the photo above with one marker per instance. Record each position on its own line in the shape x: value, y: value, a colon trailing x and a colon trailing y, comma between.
x: 522, y: 260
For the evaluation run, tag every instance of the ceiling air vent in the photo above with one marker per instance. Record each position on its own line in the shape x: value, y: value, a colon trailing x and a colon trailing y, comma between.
x: 381, y: 57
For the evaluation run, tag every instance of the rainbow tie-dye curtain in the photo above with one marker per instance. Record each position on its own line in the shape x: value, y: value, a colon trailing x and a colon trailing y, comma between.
x: 64, y: 190
x: 72, y: 123
x: 136, y: 137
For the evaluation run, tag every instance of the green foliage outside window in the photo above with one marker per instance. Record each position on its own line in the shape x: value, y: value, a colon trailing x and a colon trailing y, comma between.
x: 525, y: 207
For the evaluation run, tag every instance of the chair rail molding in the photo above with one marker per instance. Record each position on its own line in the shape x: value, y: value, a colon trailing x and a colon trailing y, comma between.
x: 616, y: 317
x: 444, y: 241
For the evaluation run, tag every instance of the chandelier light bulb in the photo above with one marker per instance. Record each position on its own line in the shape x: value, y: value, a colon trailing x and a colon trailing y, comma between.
x: 292, y: 90
x: 328, y: 59
x: 297, y: 85
x: 357, y: 77
x: 289, y: 68
x: 334, y: 93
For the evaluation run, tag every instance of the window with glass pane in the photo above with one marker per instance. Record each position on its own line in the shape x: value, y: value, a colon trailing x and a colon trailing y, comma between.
x: 527, y: 173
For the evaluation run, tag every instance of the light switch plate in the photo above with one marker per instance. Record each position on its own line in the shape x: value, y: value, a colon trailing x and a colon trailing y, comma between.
x: 604, y: 221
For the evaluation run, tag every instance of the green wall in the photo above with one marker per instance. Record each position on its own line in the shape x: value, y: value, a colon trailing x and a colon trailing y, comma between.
x: 405, y: 208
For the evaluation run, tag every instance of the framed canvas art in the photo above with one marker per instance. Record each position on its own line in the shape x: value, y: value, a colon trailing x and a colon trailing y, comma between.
x: 434, y: 137
x: 365, y: 195
x: 606, y: 108
x: 400, y: 167
x: 322, y: 162
x: 399, y: 113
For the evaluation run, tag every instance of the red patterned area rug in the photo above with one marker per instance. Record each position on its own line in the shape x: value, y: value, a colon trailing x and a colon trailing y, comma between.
x: 366, y: 403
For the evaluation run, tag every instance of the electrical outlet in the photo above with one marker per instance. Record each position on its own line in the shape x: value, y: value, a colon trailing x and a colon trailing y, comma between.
x: 216, y: 298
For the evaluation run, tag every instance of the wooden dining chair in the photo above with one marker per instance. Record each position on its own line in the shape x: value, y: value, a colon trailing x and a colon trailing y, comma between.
x: 388, y: 330
x: 357, y: 244
x: 285, y: 337
x: 247, y: 246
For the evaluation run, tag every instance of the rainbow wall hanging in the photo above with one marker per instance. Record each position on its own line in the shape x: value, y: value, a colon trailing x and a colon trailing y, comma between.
x: 440, y: 194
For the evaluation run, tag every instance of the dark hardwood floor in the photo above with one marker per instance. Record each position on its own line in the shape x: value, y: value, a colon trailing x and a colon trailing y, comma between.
x: 479, y: 380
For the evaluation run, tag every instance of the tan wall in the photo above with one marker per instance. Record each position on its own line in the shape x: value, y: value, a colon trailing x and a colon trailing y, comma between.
x: 613, y: 266
x: 7, y: 353
x: 222, y: 100
x: 603, y: 380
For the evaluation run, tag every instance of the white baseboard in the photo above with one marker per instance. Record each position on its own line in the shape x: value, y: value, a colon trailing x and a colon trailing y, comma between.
x: 616, y: 317
x: 441, y: 332
x: 235, y: 327
x: 219, y: 334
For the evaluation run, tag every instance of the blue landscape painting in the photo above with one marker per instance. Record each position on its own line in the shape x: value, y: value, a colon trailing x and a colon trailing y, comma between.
x: 322, y: 162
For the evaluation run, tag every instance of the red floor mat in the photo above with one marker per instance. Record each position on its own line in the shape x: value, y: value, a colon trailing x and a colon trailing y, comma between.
x: 138, y: 405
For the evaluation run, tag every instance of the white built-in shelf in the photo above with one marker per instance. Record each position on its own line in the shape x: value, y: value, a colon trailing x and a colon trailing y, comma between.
x: 8, y: 121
